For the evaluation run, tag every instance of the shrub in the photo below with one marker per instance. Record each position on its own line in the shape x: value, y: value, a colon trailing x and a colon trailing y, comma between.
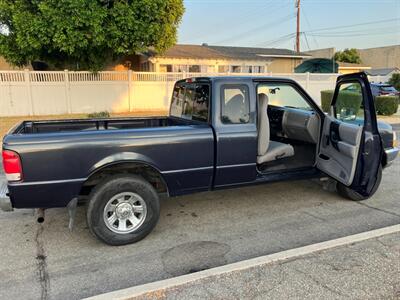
x: 386, y: 105
x: 326, y: 99
x: 395, y: 81
x: 99, y: 115
x: 347, y: 99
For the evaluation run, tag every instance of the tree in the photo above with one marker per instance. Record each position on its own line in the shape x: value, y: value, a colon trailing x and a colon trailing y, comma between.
x: 348, y: 55
x: 395, y: 81
x: 85, y: 34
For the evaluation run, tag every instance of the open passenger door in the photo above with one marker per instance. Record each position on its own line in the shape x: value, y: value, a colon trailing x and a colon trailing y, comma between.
x: 350, y: 146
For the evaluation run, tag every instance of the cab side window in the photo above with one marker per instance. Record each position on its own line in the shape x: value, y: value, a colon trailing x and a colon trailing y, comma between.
x: 191, y: 101
x: 235, y: 104
x: 201, y: 102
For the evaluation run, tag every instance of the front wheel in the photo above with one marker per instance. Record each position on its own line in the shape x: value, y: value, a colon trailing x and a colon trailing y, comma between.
x: 347, y: 193
x: 122, y: 210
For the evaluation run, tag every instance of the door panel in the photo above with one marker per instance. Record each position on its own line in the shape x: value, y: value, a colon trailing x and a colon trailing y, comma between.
x: 235, y: 133
x: 350, y: 145
x: 339, y: 149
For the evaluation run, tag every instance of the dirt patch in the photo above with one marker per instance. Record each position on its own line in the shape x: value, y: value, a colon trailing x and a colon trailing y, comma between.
x: 193, y: 257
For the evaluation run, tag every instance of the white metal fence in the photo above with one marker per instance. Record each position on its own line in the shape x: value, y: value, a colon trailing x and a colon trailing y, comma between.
x: 61, y: 92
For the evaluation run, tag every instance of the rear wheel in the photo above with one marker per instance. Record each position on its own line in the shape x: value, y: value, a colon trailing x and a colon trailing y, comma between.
x: 123, y: 209
x: 347, y: 193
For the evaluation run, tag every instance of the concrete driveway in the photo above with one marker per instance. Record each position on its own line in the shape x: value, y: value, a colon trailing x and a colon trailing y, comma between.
x: 195, y: 232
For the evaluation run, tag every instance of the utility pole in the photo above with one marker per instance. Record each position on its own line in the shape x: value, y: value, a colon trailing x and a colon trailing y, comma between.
x: 298, y: 26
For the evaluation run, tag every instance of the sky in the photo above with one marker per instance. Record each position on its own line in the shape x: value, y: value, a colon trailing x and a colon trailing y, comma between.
x: 272, y: 23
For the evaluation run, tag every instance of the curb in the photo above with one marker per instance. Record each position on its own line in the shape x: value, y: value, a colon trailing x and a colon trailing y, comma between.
x: 158, y: 286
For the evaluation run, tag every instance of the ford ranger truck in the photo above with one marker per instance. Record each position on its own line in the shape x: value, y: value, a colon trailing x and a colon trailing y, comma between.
x: 221, y: 132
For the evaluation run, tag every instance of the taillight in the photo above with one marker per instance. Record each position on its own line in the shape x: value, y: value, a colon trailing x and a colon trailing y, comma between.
x: 12, y: 165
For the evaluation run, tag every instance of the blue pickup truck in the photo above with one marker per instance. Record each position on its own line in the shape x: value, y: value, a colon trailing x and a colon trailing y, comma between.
x: 221, y: 132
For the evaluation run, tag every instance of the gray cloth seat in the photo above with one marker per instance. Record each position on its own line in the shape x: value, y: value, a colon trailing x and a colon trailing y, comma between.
x: 268, y: 150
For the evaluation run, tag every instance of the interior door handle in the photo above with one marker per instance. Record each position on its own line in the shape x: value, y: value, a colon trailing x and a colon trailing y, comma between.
x: 334, y: 140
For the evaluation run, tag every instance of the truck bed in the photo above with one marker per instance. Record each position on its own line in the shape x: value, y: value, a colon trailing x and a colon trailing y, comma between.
x: 50, y: 126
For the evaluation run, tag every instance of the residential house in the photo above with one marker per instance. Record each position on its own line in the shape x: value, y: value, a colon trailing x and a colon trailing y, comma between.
x: 381, y: 57
x: 347, y: 68
x: 5, y: 66
x: 221, y: 59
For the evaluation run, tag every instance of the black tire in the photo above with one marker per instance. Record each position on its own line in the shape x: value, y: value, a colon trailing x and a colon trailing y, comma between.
x: 106, y: 190
x: 347, y: 193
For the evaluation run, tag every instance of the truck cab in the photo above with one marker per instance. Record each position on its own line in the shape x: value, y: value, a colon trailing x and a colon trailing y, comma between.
x: 221, y: 132
x: 270, y: 129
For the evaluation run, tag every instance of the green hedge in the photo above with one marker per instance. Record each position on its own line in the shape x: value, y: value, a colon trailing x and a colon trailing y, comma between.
x: 347, y: 99
x: 99, y: 115
x: 326, y: 99
x: 386, y: 105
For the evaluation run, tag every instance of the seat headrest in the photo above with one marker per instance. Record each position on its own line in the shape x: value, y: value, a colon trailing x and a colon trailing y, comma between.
x: 262, y: 97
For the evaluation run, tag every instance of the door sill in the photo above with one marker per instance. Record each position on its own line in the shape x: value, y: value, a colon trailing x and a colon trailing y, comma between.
x: 290, y: 174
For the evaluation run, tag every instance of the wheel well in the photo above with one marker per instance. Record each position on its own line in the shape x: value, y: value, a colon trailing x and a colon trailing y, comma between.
x: 152, y: 175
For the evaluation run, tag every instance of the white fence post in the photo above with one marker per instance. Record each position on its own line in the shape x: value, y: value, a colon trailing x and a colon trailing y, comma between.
x: 32, y: 95
x: 29, y: 89
x: 67, y: 91
x: 307, y: 80
x: 130, y: 96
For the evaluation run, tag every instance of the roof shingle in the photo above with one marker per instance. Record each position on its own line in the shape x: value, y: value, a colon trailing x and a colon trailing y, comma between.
x: 226, y: 52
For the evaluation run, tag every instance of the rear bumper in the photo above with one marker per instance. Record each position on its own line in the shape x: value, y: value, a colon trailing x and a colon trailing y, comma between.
x: 44, y: 194
x: 391, y: 155
x: 5, y: 201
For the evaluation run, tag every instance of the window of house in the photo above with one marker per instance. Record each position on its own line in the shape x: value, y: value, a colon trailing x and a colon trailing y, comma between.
x: 235, y: 69
x: 223, y: 69
x: 181, y: 68
x: 145, y: 66
x: 235, y: 104
x: 258, y: 69
x: 247, y: 69
x: 165, y: 68
x: 194, y: 68
x: 210, y: 69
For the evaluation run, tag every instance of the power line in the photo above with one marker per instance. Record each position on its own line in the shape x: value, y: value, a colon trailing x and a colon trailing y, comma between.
x: 354, y: 25
x: 279, y: 39
x: 268, y: 25
x: 309, y: 26
x: 247, y: 17
x: 305, y: 37
x: 381, y: 29
x: 352, y: 35
x: 318, y: 33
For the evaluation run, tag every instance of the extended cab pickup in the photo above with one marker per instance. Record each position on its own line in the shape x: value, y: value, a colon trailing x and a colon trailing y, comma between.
x: 221, y: 132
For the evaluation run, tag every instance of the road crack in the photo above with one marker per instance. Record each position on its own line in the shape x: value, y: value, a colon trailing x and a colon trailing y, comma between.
x: 320, y: 283
x: 42, y: 273
x: 379, y: 209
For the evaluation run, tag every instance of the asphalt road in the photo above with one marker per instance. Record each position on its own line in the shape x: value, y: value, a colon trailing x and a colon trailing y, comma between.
x: 195, y: 232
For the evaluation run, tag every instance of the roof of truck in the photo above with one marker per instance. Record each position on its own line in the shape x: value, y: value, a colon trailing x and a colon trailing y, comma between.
x: 238, y: 78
